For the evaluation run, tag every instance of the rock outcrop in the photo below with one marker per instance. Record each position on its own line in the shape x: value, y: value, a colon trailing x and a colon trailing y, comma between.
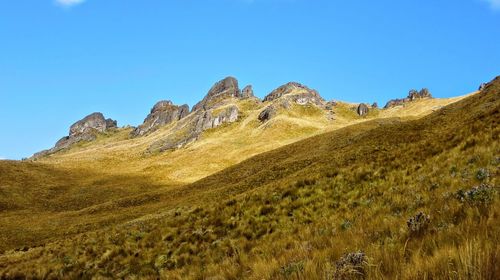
x: 92, y: 123
x: 288, y: 94
x: 163, y: 113
x: 227, y: 88
x: 412, y: 96
x: 216, y: 109
x: 362, y: 109
x: 85, y: 129
x: 482, y: 86
x: 247, y: 92
x: 296, y: 92
x: 267, y: 114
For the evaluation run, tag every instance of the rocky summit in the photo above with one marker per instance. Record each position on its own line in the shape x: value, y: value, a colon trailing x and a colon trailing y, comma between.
x: 412, y: 96
x: 85, y: 129
x: 296, y: 92
x: 163, y: 113
x: 222, y: 90
x: 214, y: 110
x: 247, y: 92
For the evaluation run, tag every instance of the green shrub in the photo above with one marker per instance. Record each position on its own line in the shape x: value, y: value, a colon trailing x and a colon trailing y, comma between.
x: 481, y: 195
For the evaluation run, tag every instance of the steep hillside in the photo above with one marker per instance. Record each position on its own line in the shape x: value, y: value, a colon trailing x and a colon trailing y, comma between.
x: 380, y: 199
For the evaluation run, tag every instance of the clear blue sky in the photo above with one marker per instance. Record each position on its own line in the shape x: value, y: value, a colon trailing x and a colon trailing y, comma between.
x: 60, y: 62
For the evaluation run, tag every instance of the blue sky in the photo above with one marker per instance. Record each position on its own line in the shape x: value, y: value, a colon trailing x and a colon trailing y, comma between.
x: 61, y: 60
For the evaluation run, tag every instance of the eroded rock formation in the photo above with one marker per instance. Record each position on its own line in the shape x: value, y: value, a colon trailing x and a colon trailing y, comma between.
x: 85, y: 129
x: 412, y: 96
x: 163, y: 113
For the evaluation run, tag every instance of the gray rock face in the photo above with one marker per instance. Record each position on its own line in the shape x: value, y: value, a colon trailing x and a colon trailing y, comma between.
x: 412, y: 96
x: 375, y: 105
x: 224, y: 89
x: 92, y: 123
x: 287, y: 95
x: 209, y: 120
x: 190, y: 129
x: 267, y: 114
x: 213, y: 111
x: 247, y: 92
x: 163, y: 113
x: 482, y: 86
x: 83, y: 130
x: 305, y: 96
x: 362, y: 109
x: 423, y: 93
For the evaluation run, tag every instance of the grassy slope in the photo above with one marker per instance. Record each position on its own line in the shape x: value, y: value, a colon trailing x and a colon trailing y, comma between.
x: 230, y: 144
x: 114, y: 181
x: 293, y: 211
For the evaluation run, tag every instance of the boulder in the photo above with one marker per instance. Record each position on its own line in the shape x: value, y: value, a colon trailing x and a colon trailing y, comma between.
x: 163, y: 113
x: 362, y: 109
x: 330, y: 105
x: 267, y: 114
x: 375, y: 105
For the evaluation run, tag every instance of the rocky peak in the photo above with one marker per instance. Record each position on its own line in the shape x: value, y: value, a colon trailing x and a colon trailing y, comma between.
x: 247, y: 92
x: 423, y: 93
x: 213, y: 111
x: 298, y: 92
x: 412, y: 96
x: 162, y: 113
x: 85, y: 129
x: 92, y: 123
x: 161, y: 106
x: 227, y: 88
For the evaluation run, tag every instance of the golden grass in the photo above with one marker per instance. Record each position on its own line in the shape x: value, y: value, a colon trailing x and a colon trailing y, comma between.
x: 293, y: 212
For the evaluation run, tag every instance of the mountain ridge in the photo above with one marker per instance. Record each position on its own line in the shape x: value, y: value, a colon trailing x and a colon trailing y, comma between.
x: 209, y: 115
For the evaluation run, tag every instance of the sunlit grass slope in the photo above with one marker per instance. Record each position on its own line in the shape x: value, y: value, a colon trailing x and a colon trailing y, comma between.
x: 113, y: 179
x: 298, y: 211
x: 224, y: 146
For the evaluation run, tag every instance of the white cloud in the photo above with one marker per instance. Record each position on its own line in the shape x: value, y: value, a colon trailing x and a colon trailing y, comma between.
x: 495, y: 4
x: 69, y: 3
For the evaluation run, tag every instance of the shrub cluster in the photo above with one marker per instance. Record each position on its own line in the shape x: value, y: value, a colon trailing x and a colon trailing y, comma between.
x: 481, y: 195
x: 351, y: 266
x: 418, y: 224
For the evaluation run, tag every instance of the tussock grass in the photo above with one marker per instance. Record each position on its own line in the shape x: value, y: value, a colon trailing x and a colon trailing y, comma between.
x: 300, y: 211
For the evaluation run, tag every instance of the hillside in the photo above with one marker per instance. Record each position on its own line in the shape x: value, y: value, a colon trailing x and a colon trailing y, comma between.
x: 217, y: 148
x: 291, y: 213
x: 112, y: 175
